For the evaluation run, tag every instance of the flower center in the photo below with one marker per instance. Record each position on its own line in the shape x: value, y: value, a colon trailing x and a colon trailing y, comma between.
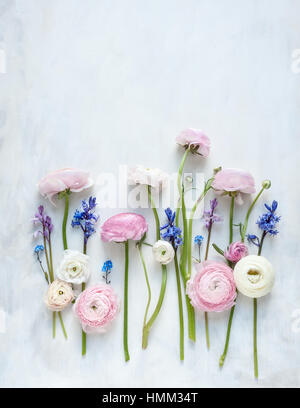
x: 163, y: 252
x: 74, y: 268
x: 253, y: 275
x: 94, y: 307
x: 60, y: 292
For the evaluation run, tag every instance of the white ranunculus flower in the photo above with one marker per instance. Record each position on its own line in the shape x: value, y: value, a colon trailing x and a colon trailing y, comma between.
x: 74, y: 267
x: 254, y: 276
x: 155, y: 178
x: 163, y: 252
x: 59, y: 295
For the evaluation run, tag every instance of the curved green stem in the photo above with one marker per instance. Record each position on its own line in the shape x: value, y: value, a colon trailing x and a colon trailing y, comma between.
x: 206, y: 329
x: 179, y: 184
x: 244, y: 228
x: 54, y: 324
x: 153, y: 317
x: 180, y: 309
x: 83, y: 333
x: 125, y: 327
x: 145, y: 331
x: 65, y: 219
x: 50, y: 271
x: 62, y: 325
x: 222, y: 358
x: 205, y: 313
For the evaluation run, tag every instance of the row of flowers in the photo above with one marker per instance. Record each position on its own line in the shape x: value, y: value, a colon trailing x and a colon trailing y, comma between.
x: 209, y: 286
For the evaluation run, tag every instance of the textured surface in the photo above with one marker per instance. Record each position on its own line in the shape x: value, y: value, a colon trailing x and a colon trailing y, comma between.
x: 98, y: 84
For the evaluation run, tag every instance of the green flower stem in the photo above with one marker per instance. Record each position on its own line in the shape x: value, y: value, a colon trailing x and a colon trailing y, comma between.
x: 180, y: 308
x: 62, y: 325
x: 244, y: 228
x: 83, y: 334
x: 223, y: 356
x: 51, y: 260
x: 152, y: 319
x: 54, y: 324
x: 179, y: 184
x: 255, y: 358
x: 51, y: 280
x: 205, y: 313
x: 145, y: 331
x: 125, y: 328
x: 255, y: 337
x: 231, y: 220
x: 65, y: 219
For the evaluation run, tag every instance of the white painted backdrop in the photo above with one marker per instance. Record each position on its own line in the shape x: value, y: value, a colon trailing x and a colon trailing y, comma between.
x: 96, y: 84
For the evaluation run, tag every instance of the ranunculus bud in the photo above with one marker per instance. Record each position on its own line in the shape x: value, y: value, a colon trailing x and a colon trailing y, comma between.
x: 163, y: 252
x: 155, y: 178
x: 266, y: 184
x: 254, y: 276
x: 74, y: 267
x: 196, y: 140
x: 59, y: 295
x: 236, y: 251
x: 124, y: 226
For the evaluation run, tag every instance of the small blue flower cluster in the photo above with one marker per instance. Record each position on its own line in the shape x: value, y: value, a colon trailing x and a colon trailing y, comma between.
x: 38, y: 249
x: 198, y: 239
x: 267, y: 222
x: 172, y: 233
x: 85, y: 217
x: 106, y: 268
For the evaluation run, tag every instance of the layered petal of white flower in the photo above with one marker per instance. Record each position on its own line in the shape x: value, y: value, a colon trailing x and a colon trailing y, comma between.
x: 59, y: 295
x: 254, y: 276
x: 155, y: 178
x: 163, y: 252
x: 74, y: 267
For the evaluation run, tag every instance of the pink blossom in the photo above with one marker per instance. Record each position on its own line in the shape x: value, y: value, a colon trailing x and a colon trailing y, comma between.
x: 60, y: 180
x: 196, y: 140
x: 231, y: 180
x: 212, y: 289
x: 236, y: 251
x: 124, y: 226
x: 96, y: 307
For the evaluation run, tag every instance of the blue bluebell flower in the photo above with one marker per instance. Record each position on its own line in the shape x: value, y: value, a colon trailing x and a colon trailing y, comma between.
x: 198, y: 239
x: 38, y: 249
x: 106, y: 268
x: 267, y: 221
x: 253, y: 239
x: 172, y: 233
x: 85, y: 218
x: 40, y: 217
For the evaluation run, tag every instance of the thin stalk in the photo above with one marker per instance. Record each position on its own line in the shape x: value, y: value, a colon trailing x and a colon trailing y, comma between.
x: 255, y: 337
x: 244, y: 229
x: 65, y: 219
x: 180, y: 308
x: 179, y: 184
x: 223, y: 356
x: 205, y: 313
x: 51, y: 260
x: 51, y: 280
x: 62, y: 325
x: 145, y: 336
x: 125, y: 328
x: 153, y: 317
x: 83, y: 334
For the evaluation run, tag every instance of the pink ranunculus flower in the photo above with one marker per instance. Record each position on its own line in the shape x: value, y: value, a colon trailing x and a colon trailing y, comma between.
x: 124, y: 226
x: 212, y: 289
x: 96, y: 307
x: 196, y: 140
x: 234, y: 181
x: 63, y: 179
x: 236, y: 251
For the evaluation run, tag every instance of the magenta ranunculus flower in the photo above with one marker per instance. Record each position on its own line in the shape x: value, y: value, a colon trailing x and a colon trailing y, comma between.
x: 212, y: 289
x: 64, y: 179
x: 196, y: 140
x: 96, y: 307
x: 236, y: 251
x: 124, y: 226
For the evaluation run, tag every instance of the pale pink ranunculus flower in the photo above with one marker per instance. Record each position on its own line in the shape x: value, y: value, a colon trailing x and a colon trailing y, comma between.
x: 60, y: 180
x: 96, y: 307
x: 236, y: 251
x: 212, y: 289
x: 59, y: 295
x: 196, y: 140
x: 234, y: 181
x: 124, y: 226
